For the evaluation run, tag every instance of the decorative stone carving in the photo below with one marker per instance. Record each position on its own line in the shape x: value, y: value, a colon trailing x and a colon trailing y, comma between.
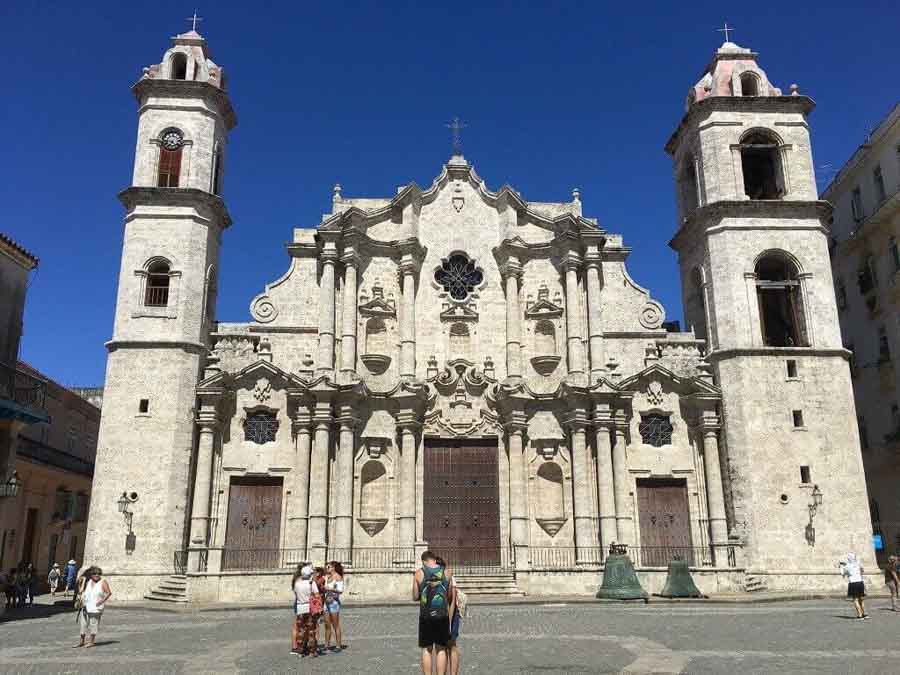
x: 460, y: 400
x: 551, y: 525
x: 262, y: 392
x: 655, y: 392
x: 376, y: 363
x: 459, y: 312
x: 372, y: 526
x: 652, y: 315
x: 263, y: 309
x: 545, y: 365
x: 544, y: 308
x: 378, y: 306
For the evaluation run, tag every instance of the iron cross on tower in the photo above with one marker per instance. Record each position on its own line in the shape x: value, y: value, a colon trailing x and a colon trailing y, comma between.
x: 726, y: 30
x: 456, y: 125
x: 194, y: 19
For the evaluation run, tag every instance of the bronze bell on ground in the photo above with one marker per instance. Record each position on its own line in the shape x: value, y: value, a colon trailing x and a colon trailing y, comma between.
x: 620, y: 581
x: 679, y: 582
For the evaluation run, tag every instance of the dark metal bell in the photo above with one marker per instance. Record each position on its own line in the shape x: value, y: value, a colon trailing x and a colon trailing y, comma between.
x: 620, y: 581
x: 679, y: 582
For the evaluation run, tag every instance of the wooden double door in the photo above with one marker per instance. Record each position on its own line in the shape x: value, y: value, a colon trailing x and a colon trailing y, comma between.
x: 461, y: 520
x: 253, y: 533
x: 664, y: 521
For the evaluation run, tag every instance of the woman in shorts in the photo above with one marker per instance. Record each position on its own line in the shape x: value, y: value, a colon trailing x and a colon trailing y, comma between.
x: 856, y: 589
x: 334, y: 589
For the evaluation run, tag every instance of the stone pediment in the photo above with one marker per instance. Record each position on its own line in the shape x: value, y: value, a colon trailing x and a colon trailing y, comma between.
x: 544, y: 307
x: 377, y: 306
x: 456, y: 312
x: 685, y: 386
x: 254, y: 372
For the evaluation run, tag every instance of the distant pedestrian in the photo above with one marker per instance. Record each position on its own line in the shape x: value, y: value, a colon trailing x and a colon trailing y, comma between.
x: 71, y: 574
x: 892, y: 579
x: 317, y: 602
x: 334, y: 589
x: 856, y: 589
x: 8, y: 584
x: 93, y: 594
x: 21, y: 585
x: 432, y: 588
x: 53, y: 579
x: 304, y: 632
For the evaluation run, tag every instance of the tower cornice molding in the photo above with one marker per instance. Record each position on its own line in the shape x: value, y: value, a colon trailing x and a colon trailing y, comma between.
x: 148, y: 86
x: 132, y: 197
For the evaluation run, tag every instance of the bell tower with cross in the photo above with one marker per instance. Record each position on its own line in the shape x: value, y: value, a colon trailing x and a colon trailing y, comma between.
x: 752, y: 245
x: 175, y: 217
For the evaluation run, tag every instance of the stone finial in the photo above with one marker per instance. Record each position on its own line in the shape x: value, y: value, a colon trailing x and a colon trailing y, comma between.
x: 432, y: 369
x: 377, y: 292
x: 543, y: 292
x: 488, y: 366
x: 337, y: 196
x: 795, y: 90
x: 265, y: 349
x: 576, y: 195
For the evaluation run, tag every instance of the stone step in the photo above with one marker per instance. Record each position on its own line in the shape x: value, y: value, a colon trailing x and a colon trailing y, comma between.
x: 172, y: 587
x: 169, y: 593
x: 154, y: 595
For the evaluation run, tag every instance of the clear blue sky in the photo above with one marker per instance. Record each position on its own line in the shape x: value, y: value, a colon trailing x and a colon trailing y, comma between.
x: 556, y: 95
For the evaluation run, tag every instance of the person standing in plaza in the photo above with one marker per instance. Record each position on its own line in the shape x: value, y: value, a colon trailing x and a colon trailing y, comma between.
x: 53, y: 579
x: 856, y: 589
x: 334, y: 589
x: 892, y: 579
x: 432, y: 587
x: 94, y: 593
x: 304, y: 631
x: 317, y: 601
x: 459, y: 602
x: 71, y: 573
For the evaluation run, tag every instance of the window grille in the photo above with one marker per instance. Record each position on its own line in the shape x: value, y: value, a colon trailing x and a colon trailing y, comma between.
x: 655, y: 430
x: 260, y: 427
x: 458, y: 276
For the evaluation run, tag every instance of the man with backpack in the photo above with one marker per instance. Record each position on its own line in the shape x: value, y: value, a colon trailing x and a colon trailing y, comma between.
x: 433, y: 589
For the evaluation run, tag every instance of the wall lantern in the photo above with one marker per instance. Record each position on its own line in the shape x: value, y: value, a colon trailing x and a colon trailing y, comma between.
x: 11, y: 487
x: 126, y: 500
x: 815, y: 501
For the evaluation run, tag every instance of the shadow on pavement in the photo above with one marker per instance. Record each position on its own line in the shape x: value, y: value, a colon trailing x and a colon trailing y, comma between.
x: 36, y: 611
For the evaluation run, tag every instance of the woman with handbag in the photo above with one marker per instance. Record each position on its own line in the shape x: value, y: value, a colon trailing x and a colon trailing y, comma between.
x: 93, y: 594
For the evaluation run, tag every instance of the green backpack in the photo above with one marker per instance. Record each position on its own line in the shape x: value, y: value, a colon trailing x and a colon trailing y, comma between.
x: 433, y: 591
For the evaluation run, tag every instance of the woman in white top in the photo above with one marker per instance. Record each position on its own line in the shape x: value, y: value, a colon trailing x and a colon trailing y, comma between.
x: 334, y: 589
x: 856, y: 589
x: 94, y: 593
x: 304, y: 632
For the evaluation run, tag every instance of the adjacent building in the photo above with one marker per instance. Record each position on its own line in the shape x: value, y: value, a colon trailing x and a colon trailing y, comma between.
x: 866, y: 263
x: 469, y: 370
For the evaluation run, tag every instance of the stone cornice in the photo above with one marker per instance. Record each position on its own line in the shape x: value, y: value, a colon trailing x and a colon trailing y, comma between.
x: 132, y: 197
x: 17, y: 252
x: 722, y: 354
x: 702, y: 109
x: 194, y: 347
x: 184, y: 89
x: 774, y: 209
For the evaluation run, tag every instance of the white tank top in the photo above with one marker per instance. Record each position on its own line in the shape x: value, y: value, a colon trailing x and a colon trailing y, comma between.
x: 93, y: 592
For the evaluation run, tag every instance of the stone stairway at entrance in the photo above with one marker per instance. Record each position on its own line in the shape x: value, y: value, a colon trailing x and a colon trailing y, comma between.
x: 172, y: 589
x: 497, y: 583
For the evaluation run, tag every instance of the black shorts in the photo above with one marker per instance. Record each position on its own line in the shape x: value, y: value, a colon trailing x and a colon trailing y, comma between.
x: 434, y: 632
x: 856, y: 589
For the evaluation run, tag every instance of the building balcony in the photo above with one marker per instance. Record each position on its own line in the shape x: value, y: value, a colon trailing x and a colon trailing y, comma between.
x: 22, y: 396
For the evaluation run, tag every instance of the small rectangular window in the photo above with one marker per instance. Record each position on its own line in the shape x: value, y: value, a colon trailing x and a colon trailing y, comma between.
x: 798, y: 418
x: 878, y: 180
x: 856, y: 205
x: 144, y: 405
x: 884, y: 349
x: 804, y: 475
x: 791, y: 368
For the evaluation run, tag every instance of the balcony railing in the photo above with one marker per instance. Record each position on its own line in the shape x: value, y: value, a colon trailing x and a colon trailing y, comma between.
x: 568, y: 557
x: 22, y: 387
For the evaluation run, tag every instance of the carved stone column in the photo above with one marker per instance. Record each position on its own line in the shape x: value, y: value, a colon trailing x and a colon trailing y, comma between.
x: 318, y: 481
x: 595, y: 326
x: 408, y: 271
x: 573, y: 316
x: 512, y: 272
x: 518, y: 504
x: 207, y: 421
x: 715, y: 495
x: 407, y: 426
x: 343, y: 481
x: 325, y: 362
x: 298, y: 506
x: 585, y: 536
x: 622, y: 482
x: 348, y: 322
x: 603, y: 427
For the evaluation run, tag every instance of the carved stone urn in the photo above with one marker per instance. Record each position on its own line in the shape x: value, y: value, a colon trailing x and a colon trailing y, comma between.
x: 545, y: 365
x: 376, y: 363
x: 551, y: 525
x: 372, y: 526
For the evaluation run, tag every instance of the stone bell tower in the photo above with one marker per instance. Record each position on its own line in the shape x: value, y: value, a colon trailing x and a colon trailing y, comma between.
x: 752, y: 246
x: 175, y: 217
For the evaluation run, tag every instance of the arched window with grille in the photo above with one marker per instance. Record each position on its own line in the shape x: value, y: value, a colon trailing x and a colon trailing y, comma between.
x: 778, y: 291
x: 158, y: 280
x: 171, y: 145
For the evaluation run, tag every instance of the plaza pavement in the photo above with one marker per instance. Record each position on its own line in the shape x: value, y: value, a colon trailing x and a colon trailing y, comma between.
x: 559, y: 637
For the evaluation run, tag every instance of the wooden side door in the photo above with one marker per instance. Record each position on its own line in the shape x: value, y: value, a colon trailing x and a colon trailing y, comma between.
x: 253, y: 532
x: 664, y: 521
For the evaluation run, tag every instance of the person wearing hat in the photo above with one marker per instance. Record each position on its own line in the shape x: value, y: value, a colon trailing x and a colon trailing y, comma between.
x: 304, y: 631
x: 71, y: 576
x: 53, y: 579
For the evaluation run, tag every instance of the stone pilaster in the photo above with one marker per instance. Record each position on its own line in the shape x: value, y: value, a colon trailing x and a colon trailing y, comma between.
x: 318, y: 482
x: 325, y: 362
x: 595, y: 323
x: 207, y: 423
x: 409, y: 268
x: 407, y: 426
x: 575, y: 346
x: 512, y: 273
x: 298, y: 504
x: 622, y: 482
x: 516, y: 427
x: 603, y: 428
x: 585, y: 536
x: 348, y: 321
x: 343, y: 481
x: 715, y: 495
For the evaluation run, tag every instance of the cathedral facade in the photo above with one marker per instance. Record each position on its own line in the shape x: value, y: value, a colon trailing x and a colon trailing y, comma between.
x: 466, y: 370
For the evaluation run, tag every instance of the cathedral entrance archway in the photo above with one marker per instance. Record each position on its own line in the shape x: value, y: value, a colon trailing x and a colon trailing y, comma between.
x: 664, y: 521
x: 461, y: 520
x: 254, y: 524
